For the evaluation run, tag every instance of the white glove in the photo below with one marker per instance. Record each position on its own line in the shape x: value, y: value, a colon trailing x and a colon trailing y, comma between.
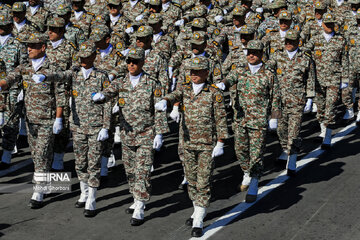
x: 175, y: 115
x: 146, y: 1
x: 38, y: 78
x: 116, y: 109
x: 219, y: 18
x: 2, y: 118
x: 344, y: 85
x: 58, y: 126
x: 140, y: 17
x: 273, y: 124
x: 170, y: 71
x: 70, y: 101
x: 125, y: 52
x: 221, y: 85
x: 218, y: 150
x: 112, y: 161
x: 259, y: 10
x: 111, y: 77
x: 161, y: 106
x: 225, y: 12
x: 129, y: 30
x: 20, y: 97
x: 97, y: 97
x: 158, y: 142
x: 103, y: 135
x: 179, y: 22
x: 307, y: 107
x: 173, y: 84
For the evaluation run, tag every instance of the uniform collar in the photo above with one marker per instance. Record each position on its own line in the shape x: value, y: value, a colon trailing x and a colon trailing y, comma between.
x: 78, y: 14
x: 106, y: 52
x: 4, y: 39
x: 86, y: 72
x: 38, y: 63
x: 34, y: 10
x: 19, y: 26
x: 56, y: 43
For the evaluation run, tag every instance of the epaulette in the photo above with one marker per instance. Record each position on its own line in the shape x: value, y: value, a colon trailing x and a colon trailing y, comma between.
x: 8, y: 5
x: 259, y: 16
x: 119, y: 54
x: 37, y: 28
x: 90, y: 13
x: 307, y: 54
x: 76, y: 26
x: 177, y: 5
x: 18, y: 39
x: 73, y: 45
x: 214, y: 86
x: 101, y: 71
x: 117, y: 34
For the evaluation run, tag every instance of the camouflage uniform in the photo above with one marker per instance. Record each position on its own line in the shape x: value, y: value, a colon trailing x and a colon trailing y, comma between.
x: 29, y: 26
x: 98, y: 8
x: 332, y: 68
x: 84, y: 22
x: 139, y: 123
x: 52, y: 5
x: 39, y: 17
x: 312, y: 26
x: 170, y: 15
x: 257, y: 95
x: 203, y: 121
x: 130, y: 13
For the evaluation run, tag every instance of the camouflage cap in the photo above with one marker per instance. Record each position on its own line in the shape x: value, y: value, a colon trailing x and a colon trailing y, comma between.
x: 155, y: 18
x: 155, y: 2
x: 98, y: 32
x: 285, y: 15
x: 199, y: 10
x: 354, y: 1
x: 328, y: 18
x: 247, y: 29
x: 239, y: 11
x: 278, y: 4
x: 63, y: 9
x: 292, y: 34
x: 35, y: 37
x: 358, y: 14
x: 114, y: 2
x: 56, y: 22
x: 86, y: 49
x: 136, y: 53
x: 5, y: 18
x: 19, y: 7
x: 255, y: 45
x: 144, y: 31
x: 321, y: 5
x: 198, y: 38
x: 198, y: 63
x: 199, y: 23
x: 102, y: 19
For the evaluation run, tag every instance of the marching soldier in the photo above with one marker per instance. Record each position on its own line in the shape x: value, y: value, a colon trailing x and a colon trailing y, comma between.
x: 36, y: 13
x: 81, y: 17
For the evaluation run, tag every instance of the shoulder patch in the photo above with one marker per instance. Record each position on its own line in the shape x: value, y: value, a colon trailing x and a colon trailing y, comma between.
x: 219, y: 98
x: 73, y: 45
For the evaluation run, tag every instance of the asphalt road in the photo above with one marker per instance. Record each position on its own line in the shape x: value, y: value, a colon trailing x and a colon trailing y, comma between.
x: 321, y: 202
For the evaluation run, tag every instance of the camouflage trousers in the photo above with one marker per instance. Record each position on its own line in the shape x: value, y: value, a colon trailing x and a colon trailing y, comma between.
x: 325, y: 100
x: 249, y: 149
x: 137, y: 162
x: 41, y: 142
x: 289, y: 127
x: 87, y: 151
x: 10, y: 131
x: 198, y: 171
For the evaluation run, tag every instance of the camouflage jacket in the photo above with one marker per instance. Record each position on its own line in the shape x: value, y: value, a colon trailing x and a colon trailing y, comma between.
x: 27, y: 28
x: 171, y: 15
x: 230, y: 34
x: 84, y: 22
x: 139, y: 121
x: 257, y: 96
x: 99, y: 8
x: 353, y: 39
x: 310, y: 29
x: 111, y: 63
x: 331, y: 59
x: 75, y: 34
x: 204, y: 115
x: 235, y: 59
x: 39, y: 18
x: 130, y: 13
x: 165, y: 45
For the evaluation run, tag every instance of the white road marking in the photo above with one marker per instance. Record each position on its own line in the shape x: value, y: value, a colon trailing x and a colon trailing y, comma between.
x: 263, y: 191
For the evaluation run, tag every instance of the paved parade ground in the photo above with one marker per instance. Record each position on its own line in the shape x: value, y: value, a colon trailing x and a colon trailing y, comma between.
x: 321, y: 202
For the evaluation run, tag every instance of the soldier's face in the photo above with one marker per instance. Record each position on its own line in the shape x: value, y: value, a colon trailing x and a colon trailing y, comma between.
x: 238, y: 20
x: 291, y: 45
x: 198, y: 49
x: 36, y: 50
x: 277, y: 11
x: 103, y: 43
x: 18, y: 17
x: 246, y: 4
x: 156, y: 27
x: 55, y: 33
x: 114, y: 9
x: 143, y: 42
x: 5, y: 30
x: 134, y: 66
x: 88, y: 62
x: 34, y: 2
x: 245, y: 38
x: 254, y: 56
x: 285, y: 24
x: 199, y: 76
x: 319, y: 13
x: 355, y: 7
x: 78, y: 6
x: 328, y: 27
x: 154, y: 9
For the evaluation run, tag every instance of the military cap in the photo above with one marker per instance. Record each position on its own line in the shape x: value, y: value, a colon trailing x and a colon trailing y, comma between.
x: 199, y: 10
x: 19, y: 7
x: 292, y: 34
x: 199, y: 23
x: 198, y: 38
x: 328, y: 18
x: 155, y: 2
x: 63, y: 9
x: 136, y: 53
x: 98, y: 32
x: 56, y: 22
x: 239, y: 11
x: 102, y: 19
x: 35, y: 37
x: 198, y: 63
x: 86, y: 49
x: 285, y: 15
x: 242, y: 1
x: 144, y: 31
x: 321, y: 5
x: 155, y: 18
x: 255, y: 45
x: 354, y: 1
x: 358, y: 14
x: 114, y: 2
x: 247, y: 29
x: 278, y: 4
x: 5, y: 18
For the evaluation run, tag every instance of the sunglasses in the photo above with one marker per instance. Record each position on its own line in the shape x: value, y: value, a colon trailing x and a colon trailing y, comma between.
x: 133, y: 61
x: 112, y: 6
